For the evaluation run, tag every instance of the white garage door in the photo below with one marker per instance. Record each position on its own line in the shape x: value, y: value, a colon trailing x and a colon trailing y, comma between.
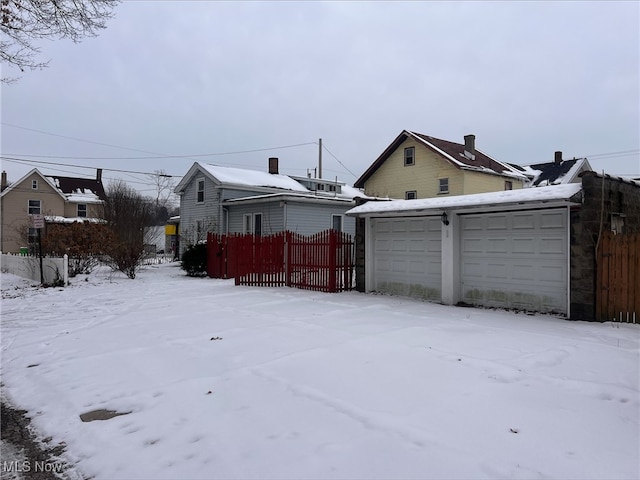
x: 515, y: 260
x: 407, y: 256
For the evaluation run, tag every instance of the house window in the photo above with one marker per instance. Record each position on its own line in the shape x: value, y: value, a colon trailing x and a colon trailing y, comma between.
x: 332, y: 188
x: 200, y: 197
x: 508, y: 185
x: 257, y: 224
x: 321, y: 186
x: 34, y: 207
x: 82, y: 209
x: 444, y: 185
x: 247, y: 221
x: 410, y: 195
x: 409, y: 156
x: 34, y: 184
x: 336, y: 222
x: 252, y: 223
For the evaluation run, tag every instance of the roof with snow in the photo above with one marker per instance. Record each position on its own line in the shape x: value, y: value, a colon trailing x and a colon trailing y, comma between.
x: 561, y: 194
x: 451, y: 151
x: 72, y: 189
x: 554, y: 173
x: 252, y: 178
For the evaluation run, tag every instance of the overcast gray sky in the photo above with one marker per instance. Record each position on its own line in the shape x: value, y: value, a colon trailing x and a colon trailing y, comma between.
x: 209, y: 78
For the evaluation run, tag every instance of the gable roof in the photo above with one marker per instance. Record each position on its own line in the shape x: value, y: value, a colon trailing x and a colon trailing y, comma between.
x: 450, y: 151
x: 239, y: 177
x: 71, y: 189
x: 554, y: 173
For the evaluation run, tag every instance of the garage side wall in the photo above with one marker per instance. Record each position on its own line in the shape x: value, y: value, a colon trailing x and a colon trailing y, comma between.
x: 620, y: 197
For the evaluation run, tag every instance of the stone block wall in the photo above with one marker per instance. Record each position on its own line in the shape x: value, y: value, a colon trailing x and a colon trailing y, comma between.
x: 602, y: 197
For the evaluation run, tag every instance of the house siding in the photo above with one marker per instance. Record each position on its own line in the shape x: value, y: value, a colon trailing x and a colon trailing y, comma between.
x: 476, y: 182
x: 305, y: 219
x: 15, y: 212
x: 191, y: 212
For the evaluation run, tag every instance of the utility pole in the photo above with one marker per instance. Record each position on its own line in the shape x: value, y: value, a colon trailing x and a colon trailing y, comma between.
x: 320, y: 158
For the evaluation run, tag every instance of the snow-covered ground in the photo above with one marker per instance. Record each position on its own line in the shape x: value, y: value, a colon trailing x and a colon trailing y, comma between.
x: 237, y: 382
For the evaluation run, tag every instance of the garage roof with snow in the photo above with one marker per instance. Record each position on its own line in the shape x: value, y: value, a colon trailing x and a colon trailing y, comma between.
x: 553, y: 194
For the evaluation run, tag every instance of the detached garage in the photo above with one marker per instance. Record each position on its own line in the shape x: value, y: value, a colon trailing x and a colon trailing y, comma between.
x: 501, y: 249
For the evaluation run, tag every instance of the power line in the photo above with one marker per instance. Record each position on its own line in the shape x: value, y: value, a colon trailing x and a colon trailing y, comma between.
x: 27, y: 162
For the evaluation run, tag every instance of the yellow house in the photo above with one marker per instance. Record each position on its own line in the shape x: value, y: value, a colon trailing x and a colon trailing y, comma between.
x: 420, y: 166
x: 58, y: 199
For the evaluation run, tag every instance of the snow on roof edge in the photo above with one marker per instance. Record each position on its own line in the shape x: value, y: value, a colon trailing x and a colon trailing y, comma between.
x: 539, y: 194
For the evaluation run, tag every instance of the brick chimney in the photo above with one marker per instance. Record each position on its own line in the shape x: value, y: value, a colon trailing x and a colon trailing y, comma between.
x: 99, y: 175
x: 470, y: 146
x: 3, y: 184
x: 273, y: 165
x: 557, y: 159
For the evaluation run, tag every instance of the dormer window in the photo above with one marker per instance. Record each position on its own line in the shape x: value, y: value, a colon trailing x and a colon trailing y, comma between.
x: 82, y: 210
x: 409, y: 156
x: 34, y: 184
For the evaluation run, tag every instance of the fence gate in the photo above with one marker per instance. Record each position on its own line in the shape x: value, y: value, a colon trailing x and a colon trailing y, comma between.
x: 618, y: 278
x: 321, y: 262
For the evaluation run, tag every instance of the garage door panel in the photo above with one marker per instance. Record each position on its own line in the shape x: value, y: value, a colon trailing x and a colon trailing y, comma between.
x: 524, y: 266
x: 408, y: 260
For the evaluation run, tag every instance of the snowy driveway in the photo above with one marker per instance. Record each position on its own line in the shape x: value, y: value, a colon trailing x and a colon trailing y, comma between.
x: 237, y: 382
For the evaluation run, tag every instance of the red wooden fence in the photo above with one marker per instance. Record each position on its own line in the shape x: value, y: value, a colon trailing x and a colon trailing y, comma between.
x: 322, y: 262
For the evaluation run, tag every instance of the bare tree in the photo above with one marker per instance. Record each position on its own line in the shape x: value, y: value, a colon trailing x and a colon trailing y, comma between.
x: 128, y: 215
x: 25, y: 21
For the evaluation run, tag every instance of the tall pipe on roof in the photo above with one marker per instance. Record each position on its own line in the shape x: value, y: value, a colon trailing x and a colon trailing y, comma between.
x: 273, y: 165
x: 99, y: 175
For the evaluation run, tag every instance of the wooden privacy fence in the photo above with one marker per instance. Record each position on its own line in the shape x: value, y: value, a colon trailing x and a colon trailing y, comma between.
x: 618, y: 278
x: 321, y: 262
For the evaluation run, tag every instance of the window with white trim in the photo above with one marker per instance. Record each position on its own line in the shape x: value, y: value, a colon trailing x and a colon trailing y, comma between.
x: 508, y: 185
x: 35, y: 207
x: 410, y: 195
x: 82, y: 210
x: 200, y: 191
x: 34, y: 184
x: 443, y: 185
x: 409, y: 156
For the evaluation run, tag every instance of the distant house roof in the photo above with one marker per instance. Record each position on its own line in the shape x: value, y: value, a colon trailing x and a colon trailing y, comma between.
x: 79, y: 189
x: 554, y: 173
x: 558, y: 194
x: 72, y: 189
x: 451, y: 151
x: 264, y: 181
x: 241, y: 177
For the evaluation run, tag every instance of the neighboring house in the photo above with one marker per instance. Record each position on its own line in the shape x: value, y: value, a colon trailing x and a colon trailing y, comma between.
x: 232, y: 200
x: 59, y: 199
x: 531, y: 249
x: 558, y: 172
x: 419, y: 166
